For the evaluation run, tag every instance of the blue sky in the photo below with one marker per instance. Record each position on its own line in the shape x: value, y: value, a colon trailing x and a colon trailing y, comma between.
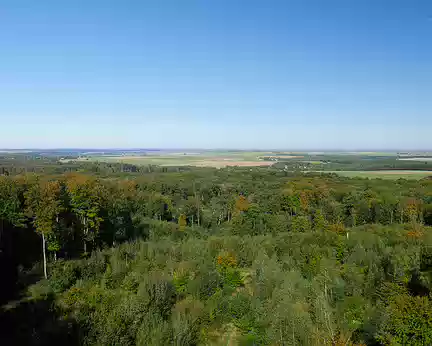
x: 264, y: 74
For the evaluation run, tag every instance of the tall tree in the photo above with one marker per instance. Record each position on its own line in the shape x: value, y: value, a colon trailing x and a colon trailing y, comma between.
x: 10, y: 206
x: 44, y: 206
x: 85, y: 198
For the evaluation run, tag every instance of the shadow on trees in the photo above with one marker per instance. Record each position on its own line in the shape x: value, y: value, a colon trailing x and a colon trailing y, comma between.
x: 36, y: 323
x: 17, y: 249
x: 27, y: 322
x: 417, y: 286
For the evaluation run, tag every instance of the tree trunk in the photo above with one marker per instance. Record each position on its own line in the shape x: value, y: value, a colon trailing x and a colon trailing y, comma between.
x: 354, y: 219
x: 85, y: 234
x: 197, y: 205
x: 198, y: 216
x: 44, y: 256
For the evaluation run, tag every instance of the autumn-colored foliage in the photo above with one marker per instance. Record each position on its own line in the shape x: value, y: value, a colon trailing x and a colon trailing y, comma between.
x: 412, y: 208
x: 338, y: 228
x: 182, y: 222
x: 226, y: 260
x: 304, y: 200
x: 241, y: 204
x: 415, y: 234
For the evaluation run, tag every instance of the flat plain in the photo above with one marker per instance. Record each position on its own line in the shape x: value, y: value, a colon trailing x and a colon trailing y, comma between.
x: 218, y: 159
x: 347, y: 164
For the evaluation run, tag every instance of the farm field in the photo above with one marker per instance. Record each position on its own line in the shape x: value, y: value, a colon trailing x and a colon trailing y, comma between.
x: 370, y: 164
x: 420, y: 159
x: 363, y: 153
x: 200, y: 159
x: 385, y: 174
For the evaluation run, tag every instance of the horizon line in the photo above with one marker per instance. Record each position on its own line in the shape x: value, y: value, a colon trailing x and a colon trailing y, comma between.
x: 214, y: 149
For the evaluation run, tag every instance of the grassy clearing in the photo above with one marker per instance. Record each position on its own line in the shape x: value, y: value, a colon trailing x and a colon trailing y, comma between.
x: 392, y: 175
x: 313, y: 162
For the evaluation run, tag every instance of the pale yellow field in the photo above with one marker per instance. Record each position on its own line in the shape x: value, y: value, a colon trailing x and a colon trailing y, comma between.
x: 218, y: 160
x: 285, y: 157
x: 225, y: 163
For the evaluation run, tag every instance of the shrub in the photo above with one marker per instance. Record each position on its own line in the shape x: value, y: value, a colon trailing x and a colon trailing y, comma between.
x: 186, y: 321
x: 408, y: 321
x: 64, y: 274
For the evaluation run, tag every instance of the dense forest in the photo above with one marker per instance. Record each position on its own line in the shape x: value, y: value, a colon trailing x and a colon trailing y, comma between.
x: 103, y: 255
x: 354, y: 162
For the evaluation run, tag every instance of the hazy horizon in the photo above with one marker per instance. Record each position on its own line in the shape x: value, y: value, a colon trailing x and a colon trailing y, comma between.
x: 228, y: 74
x: 179, y: 149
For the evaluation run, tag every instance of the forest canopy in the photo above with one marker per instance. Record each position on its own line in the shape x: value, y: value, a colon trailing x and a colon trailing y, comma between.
x: 208, y: 257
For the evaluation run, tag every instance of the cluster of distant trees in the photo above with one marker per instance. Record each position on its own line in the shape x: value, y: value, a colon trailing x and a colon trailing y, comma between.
x: 24, y: 164
x: 329, y: 162
x: 247, y: 256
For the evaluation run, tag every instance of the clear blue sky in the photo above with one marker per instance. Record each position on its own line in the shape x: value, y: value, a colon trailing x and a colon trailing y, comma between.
x: 348, y: 74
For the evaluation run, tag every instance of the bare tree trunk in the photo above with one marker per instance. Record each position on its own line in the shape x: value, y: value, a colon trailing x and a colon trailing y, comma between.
x: 198, y: 215
x: 44, y: 256
x: 85, y: 234
x: 55, y: 252
x: 197, y: 204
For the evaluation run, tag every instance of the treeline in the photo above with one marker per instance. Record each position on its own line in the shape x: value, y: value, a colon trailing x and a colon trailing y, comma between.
x: 247, y: 256
x: 21, y: 164
x: 330, y: 162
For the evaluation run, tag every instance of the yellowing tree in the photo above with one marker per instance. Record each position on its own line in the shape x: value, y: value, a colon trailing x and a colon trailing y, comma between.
x: 412, y: 209
x: 241, y: 204
x: 182, y: 222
